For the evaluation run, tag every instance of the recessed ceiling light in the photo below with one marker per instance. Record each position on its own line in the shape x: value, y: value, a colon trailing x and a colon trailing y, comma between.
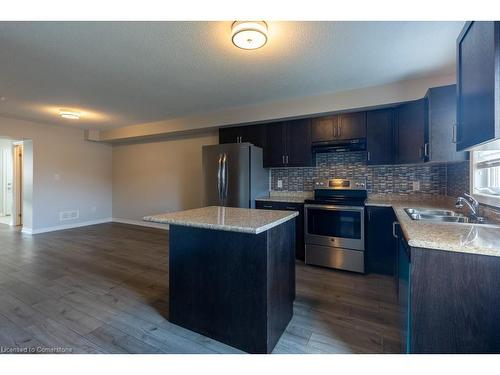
x: 72, y: 115
x: 249, y: 34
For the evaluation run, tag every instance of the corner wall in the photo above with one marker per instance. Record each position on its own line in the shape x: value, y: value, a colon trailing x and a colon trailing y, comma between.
x: 67, y: 173
x: 158, y: 176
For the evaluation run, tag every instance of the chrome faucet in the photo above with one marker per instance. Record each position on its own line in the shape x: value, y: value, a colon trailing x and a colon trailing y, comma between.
x: 472, y: 203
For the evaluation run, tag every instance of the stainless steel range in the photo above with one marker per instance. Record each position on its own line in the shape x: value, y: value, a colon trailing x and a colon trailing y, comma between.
x: 335, y: 225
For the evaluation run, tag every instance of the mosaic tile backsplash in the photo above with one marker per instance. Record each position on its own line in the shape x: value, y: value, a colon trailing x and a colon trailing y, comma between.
x: 457, y: 181
x: 389, y: 179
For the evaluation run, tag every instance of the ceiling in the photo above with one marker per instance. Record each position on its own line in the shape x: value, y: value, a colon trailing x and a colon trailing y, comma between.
x: 123, y: 73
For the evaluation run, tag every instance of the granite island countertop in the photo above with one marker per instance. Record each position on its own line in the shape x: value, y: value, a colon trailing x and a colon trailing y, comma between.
x: 482, y: 239
x: 244, y: 220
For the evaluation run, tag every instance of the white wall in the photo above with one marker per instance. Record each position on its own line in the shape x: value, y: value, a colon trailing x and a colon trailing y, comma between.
x: 68, y: 173
x: 158, y: 176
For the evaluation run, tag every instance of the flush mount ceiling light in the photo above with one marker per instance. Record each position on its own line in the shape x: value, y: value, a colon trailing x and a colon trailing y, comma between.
x: 249, y: 34
x: 72, y: 115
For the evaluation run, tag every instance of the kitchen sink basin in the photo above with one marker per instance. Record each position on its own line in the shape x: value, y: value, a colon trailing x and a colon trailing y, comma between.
x: 444, y: 216
x: 410, y: 211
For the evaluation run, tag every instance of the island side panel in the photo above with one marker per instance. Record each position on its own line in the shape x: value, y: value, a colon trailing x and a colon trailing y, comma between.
x: 281, y: 279
x: 455, y: 302
x: 218, y: 285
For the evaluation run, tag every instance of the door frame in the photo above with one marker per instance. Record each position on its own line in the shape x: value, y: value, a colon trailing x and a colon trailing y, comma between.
x: 17, y: 190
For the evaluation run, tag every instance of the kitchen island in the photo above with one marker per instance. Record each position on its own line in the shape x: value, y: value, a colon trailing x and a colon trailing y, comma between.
x: 232, y: 273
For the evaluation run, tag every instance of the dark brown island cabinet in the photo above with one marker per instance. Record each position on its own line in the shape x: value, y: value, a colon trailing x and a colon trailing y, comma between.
x: 478, y: 84
x: 449, y: 301
x: 237, y: 288
x: 299, y: 221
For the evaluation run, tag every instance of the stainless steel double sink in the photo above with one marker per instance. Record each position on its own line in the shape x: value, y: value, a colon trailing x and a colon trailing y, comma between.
x: 444, y: 216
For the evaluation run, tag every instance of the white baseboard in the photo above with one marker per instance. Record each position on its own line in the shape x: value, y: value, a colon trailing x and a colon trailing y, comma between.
x: 66, y: 226
x: 94, y: 222
x: 141, y: 223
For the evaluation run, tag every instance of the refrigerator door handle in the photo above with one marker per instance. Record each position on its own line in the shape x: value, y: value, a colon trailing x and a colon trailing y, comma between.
x: 224, y: 177
x: 219, y: 177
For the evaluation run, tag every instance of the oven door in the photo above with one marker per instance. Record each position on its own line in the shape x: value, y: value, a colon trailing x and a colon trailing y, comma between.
x: 337, y: 226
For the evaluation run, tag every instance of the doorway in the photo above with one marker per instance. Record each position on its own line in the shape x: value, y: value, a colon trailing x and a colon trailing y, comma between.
x: 11, y: 182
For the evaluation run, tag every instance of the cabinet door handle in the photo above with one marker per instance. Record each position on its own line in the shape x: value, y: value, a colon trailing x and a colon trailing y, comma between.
x: 426, y: 149
x: 340, y: 130
x: 454, y: 134
x: 282, y: 159
x: 291, y: 208
x: 287, y: 159
x: 369, y: 156
x: 394, y: 223
x: 267, y: 206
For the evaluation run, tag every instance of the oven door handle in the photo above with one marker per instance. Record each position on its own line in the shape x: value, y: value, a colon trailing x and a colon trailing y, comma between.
x: 336, y: 208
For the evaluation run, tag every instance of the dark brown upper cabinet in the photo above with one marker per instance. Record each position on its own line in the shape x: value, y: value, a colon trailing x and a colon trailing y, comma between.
x: 298, y: 143
x: 254, y: 134
x: 478, y: 84
x: 339, y: 127
x: 322, y: 128
x: 410, y: 127
x: 352, y: 125
x: 440, y: 134
x: 380, y: 137
x: 288, y: 144
x: 275, y: 149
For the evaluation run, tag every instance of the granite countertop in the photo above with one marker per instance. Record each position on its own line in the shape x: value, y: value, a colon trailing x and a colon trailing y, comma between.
x: 230, y: 219
x: 287, y: 197
x: 482, y: 239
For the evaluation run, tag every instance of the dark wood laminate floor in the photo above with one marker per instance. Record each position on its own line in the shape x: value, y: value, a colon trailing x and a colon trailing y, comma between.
x: 104, y: 289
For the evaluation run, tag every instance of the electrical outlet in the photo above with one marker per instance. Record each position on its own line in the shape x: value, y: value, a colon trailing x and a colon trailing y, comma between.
x: 280, y: 184
x: 416, y: 185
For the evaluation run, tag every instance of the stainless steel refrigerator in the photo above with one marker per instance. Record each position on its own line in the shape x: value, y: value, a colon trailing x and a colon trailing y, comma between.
x: 233, y: 175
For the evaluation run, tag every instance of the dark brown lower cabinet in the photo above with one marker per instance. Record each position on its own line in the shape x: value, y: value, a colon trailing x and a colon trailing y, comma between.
x: 299, y: 221
x: 380, y: 254
x: 450, y: 301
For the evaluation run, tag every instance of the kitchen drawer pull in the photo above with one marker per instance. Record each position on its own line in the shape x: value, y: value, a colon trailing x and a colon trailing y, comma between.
x: 291, y: 208
x: 394, y: 229
x: 267, y: 206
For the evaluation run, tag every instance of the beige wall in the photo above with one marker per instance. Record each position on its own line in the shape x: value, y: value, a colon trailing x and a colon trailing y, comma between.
x: 68, y: 173
x: 158, y: 176
x: 279, y: 109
